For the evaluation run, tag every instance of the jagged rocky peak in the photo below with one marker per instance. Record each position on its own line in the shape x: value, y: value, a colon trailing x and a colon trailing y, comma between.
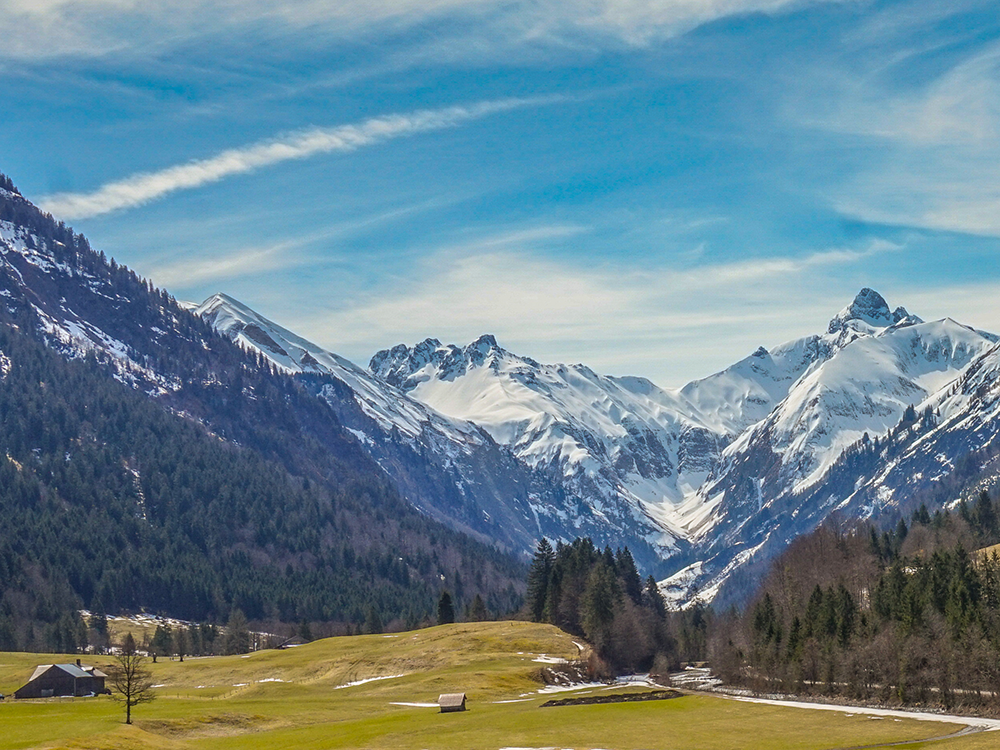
x: 479, y: 350
x: 397, y: 364
x: 871, y: 308
x: 402, y: 366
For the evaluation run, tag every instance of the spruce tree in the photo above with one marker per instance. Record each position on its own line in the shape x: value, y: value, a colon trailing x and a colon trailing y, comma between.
x: 653, y: 599
x: 599, y: 604
x: 446, y: 609
x: 538, y: 580
x: 625, y: 565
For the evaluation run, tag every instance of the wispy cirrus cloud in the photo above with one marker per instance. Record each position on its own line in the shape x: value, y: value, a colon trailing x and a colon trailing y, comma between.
x: 927, y: 117
x: 46, y: 28
x: 148, y: 186
x: 670, y: 323
x: 245, y: 262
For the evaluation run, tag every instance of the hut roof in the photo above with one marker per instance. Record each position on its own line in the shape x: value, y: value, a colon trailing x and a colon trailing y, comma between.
x: 451, y: 700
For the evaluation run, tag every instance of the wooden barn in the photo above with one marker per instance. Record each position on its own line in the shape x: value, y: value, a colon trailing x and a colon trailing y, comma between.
x: 52, y: 680
x: 450, y: 702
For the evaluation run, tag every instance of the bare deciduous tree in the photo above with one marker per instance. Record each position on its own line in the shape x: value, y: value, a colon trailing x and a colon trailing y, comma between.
x: 131, y: 682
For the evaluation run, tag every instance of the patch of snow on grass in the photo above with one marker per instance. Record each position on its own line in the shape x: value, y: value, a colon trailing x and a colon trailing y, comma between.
x: 355, y: 683
x: 989, y: 725
x: 546, y: 659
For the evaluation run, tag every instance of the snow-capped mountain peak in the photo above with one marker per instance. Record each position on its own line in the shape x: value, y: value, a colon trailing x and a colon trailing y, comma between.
x: 870, y: 308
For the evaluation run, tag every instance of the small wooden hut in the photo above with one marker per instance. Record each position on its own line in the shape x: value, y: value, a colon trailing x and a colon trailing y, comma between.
x: 450, y: 702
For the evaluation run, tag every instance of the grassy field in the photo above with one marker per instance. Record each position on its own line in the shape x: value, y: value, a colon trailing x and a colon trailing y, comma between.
x: 303, y: 698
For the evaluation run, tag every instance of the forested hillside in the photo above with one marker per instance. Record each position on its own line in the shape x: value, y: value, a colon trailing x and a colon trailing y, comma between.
x: 147, y: 462
x: 910, y: 615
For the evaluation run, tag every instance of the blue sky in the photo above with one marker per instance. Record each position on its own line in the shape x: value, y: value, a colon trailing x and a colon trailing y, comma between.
x: 652, y: 187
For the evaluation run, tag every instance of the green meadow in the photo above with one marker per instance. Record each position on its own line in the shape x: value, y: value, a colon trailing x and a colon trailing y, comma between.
x: 303, y: 698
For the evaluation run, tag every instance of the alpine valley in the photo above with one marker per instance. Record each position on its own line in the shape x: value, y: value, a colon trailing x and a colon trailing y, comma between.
x: 705, y: 483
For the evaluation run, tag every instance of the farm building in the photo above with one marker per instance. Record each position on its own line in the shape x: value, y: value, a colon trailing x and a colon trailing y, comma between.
x: 51, y: 680
x: 451, y: 702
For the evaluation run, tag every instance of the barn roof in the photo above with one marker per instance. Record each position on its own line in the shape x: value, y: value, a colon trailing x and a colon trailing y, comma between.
x: 449, y: 700
x: 71, y: 669
x: 40, y: 670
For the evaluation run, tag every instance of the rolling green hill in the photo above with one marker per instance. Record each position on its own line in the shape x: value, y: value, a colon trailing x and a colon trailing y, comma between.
x: 304, y: 698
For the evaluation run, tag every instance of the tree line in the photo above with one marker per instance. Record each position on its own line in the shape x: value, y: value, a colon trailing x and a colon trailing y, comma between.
x: 599, y: 595
x: 906, y: 615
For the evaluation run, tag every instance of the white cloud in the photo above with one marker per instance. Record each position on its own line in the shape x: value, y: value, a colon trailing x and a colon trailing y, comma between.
x: 668, y: 324
x: 142, y: 188
x: 934, y: 147
x: 246, y: 262
x: 43, y: 28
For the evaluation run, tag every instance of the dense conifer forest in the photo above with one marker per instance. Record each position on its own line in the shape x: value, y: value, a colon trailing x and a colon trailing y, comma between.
x: 112, y: 504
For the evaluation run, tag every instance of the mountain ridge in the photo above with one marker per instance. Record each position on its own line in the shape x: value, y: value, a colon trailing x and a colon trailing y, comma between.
x: 700, y: 481
x: 694, y: 470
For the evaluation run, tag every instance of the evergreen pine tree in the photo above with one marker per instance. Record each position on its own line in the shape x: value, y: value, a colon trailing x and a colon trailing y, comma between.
x: 984, y: 516
x: 446, y: 609
x: 653, y: 599
x: 538, y: 581
x: 477, y: 610
x: 625, y: 566
x: 599, y: 603
x: 237, y: 637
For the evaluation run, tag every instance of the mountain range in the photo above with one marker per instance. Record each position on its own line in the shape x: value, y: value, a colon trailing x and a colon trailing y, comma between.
x: 705, y: 483
x: 704, y: 479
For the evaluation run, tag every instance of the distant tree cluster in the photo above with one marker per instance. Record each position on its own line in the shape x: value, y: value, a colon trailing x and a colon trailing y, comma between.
x: 601, y: 596
x: 910, y: 615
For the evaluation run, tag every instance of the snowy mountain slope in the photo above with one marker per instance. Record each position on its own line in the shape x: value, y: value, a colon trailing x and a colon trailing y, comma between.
x: 446, y: 465
x: 946, y: 447
x: 623, y: 445
x: 387, y: 406
x: 622, y: 441
x: 863, y: 388
x: 718, y: 465
x: 813, y: 455
x: 748, y: 391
